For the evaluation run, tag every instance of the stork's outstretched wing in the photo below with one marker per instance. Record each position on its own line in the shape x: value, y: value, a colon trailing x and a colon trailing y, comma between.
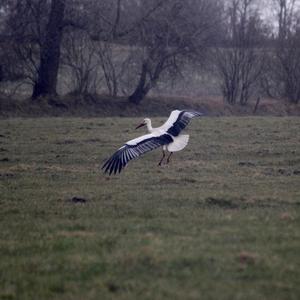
x: 133, y: 149
x: 178, y: 120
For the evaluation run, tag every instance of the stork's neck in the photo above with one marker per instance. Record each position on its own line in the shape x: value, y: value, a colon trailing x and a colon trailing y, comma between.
x: 149, y: 126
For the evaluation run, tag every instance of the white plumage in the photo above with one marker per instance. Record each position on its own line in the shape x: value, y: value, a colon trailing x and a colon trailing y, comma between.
x: 168, y: 136
x: 179, y: 143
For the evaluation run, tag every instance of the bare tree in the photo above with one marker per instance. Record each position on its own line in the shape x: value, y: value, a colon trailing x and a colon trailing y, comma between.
x: 240, y: 59
x: 114, y: 60
x: 50, y: 52
x: 35, y: 30
x: 178, y: 30
x: 80, y: 62
x: 2, y: 21
x: 109, y: 24
x: 24, y: 24
x: 116, y: 25
x: 283, y: 80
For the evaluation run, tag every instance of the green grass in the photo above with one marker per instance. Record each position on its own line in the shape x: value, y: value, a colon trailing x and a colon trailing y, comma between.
x: 221, y: 221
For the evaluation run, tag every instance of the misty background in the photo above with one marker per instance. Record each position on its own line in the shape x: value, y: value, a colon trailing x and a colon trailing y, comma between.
x: 238, y: 50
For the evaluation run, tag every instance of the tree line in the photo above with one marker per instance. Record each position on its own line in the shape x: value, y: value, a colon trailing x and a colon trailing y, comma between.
x: 128, y: 46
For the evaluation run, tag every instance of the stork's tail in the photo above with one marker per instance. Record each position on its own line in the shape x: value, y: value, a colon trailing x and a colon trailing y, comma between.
x: 179, y: 143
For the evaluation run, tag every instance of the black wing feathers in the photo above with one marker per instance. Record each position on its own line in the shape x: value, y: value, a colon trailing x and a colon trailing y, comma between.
x: 182, y: 121
x: 128, y: 152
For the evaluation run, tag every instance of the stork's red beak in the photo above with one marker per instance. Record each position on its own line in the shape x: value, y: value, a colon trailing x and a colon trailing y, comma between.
x: 141, y: 125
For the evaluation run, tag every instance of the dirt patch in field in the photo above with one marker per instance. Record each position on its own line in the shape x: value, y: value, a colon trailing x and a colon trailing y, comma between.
x: 77, y: 233
x: 245, y: 203
x: 104, y: 106
x: 46, y: 168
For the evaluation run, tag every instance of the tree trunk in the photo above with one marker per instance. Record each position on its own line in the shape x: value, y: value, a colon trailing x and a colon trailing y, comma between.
x: 142, y: 89
x: 1, y: 74
x: 256, y: 105
x: 50, y: 52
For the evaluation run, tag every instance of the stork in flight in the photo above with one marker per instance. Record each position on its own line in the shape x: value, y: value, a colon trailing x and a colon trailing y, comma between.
x: 168, y: 136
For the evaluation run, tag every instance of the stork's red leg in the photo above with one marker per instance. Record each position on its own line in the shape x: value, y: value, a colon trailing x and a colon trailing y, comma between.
x: 168, y: 159
x: 164, y: 154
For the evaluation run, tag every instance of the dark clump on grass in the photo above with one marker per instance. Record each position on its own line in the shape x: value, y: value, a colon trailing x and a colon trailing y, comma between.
x: 78, y: 200
x: 66, y: 142
x: 278, y: 172
x: 112, y: 287
x: 92, y: 141
x: 219, y: 202
x: 4, y: 159
x: 246, y: 164
x: 7, y: 175
x: 284, y: 172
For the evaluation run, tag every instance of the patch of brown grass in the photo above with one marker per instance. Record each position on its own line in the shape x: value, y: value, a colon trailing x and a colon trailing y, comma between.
x: 285, y: 216
x: 76, y: 234
x: 247, y: 258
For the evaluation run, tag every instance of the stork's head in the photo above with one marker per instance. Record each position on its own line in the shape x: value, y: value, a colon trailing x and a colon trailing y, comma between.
x: 145, y: 122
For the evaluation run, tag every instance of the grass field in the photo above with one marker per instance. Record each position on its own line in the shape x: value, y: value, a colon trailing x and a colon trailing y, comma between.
x: 220, y: 222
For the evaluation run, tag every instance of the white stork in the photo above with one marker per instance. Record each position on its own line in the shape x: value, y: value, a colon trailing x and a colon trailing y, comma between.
x: 168, y: 136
